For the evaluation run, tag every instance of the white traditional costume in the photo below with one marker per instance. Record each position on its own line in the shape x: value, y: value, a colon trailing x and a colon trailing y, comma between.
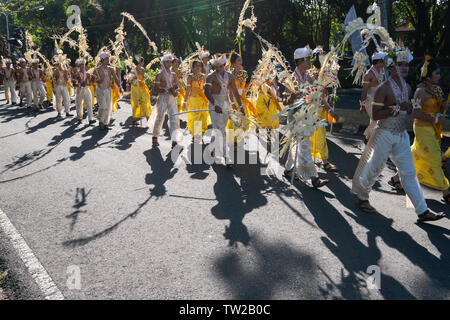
x: 220, y: 120
x: 39, y: 92
x: 301, y: 152
x: 371, y: 93
x: 390, y: 138
x: 9, y: 82
x: 167, y: 104
x: 83, y: 94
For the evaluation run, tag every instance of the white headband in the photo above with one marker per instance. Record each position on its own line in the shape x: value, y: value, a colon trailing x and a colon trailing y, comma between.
x: 302, y: 53
x: 219, y: 61
x: 80, y: 61
x: 379, y: 56
x: 167, y: 57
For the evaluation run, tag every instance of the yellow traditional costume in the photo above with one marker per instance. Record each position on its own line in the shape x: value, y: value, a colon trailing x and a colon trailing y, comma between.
x: 249, y: 109
x: 198, y: 101
x: 180, y: 97
x: 267, y: 106
x: 426, y: 149
x: 319, y: 147
x: 69, y: 88
x: 49, y: 88
x: 115, y: 98
x: 92, y: 88
x: 140, y: 98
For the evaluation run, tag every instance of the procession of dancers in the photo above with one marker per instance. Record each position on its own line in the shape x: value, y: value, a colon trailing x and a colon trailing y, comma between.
x: 216, y: 91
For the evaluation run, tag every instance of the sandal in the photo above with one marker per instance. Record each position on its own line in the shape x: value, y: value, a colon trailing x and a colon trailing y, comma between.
x: 397, y: 185
x: 447, y: 199
x: 319, y: 183
x: 365, y: 206
x: 155, y: 142
x: 288, y: 175
x: 330, y: 168
x: 430, y: 216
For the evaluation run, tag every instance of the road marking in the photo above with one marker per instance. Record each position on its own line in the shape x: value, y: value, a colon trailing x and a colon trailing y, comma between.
x: 35, y: 268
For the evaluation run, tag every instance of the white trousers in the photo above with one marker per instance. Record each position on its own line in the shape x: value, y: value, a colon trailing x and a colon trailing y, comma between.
x: 27, y: 92
x: 39, y: 92
x: 10, y: 91
x: 62, y: 97
x: 305, y: 167
x: 104, y: 99
x: 83, y: 95
x: 220, y: 120
x: 382, y: 144
x: 166, y: 104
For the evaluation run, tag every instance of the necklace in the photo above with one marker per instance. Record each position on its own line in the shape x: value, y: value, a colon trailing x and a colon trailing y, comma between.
x: 223, y: 80
x: 401, y: 94
x: 301, y: 78
x: 377, y: 75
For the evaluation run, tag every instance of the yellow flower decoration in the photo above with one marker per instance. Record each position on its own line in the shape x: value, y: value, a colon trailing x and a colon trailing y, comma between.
x: 424, y: 70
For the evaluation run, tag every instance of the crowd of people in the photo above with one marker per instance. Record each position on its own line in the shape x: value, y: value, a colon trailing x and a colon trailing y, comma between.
x: 216, y: 91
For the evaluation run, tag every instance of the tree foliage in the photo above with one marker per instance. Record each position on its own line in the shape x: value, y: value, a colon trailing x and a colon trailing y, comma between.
x: 177, y: 24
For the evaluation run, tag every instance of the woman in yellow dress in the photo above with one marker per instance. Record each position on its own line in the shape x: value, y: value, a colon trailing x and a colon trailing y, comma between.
x: 240, y: 78
x: 429, y: 109
x: 140, y: 94
x: 267, y: 105
x: 176, y: 69
x: 319, y: 147
x: 195, y: 99
x: 115, y: 87
x: 49, y: 86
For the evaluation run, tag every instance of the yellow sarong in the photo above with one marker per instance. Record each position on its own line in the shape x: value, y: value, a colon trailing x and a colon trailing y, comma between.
x: 250, y: 112
x: 92, y: 88
x: 69, y: 88
x: 198, y: 122
x: 115, y: 98
x: 180, y: 97
x: 266, y: 108
x: 49, y: 89
x: 140, y: 99
x: 319, y: 147
x: 426, y: 149
x: 427, y: 158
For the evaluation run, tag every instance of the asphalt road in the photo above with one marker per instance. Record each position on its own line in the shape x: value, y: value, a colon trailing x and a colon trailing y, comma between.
x: 139, y: 226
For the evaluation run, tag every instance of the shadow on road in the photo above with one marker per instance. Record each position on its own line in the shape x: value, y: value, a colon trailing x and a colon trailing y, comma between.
x: 354, y: 255
x: 162, y: 171
x: 80, y: 202
x: 94, y: 136
x: 236, y: 200
x: 275, y: 267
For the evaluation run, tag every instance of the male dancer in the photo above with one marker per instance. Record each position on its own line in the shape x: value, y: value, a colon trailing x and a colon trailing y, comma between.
x: 167, y: 90
x: 9, y: 82
x: 372, y: 79
x: 217, y: 87
x: 305, y: 167
x: 60, y: 80
x: 24, y: 76
x: 104, y: 75
x: 37, y: 84
x: 81, y: 80
x: 390, y: 138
